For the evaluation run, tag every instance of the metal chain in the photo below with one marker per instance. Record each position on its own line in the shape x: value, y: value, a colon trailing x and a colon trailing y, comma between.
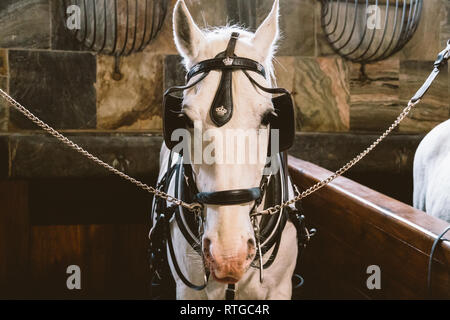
x: 197, y: 207
x: 343, y: 169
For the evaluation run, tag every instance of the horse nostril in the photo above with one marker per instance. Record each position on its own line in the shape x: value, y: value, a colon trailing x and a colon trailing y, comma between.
x: 251, y: 247
x: 206, y: 247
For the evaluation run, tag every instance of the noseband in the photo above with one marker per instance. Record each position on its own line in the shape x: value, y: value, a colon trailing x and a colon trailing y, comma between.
x: 228, y: 197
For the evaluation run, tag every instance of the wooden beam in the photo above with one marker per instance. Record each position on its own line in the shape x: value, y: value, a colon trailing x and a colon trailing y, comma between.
x: 329, y: 150
x: 14, y: 239
x: 358, y: 227
x: 332, y: 150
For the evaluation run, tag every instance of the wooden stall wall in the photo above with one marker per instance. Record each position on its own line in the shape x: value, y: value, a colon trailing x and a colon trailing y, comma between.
x: 14, y: 236
x: 358, y: 228
x: 34, y: 255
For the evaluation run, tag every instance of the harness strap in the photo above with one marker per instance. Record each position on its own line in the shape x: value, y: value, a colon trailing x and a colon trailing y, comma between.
x: 232, y: 44
x: 430, y: 261
x: 221, y: 109
x: 274, y: 240
x: 440, y: 61
x: 276, y: 247
x: 218, y: 63
x: 228, y: 197
x: 230, y: 292
x: 268, y: 90
x: 184, y: 171
x: 187, y: 86
x: 178, y: 270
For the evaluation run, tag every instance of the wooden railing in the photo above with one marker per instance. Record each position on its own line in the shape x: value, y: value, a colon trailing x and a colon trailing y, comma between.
x: 359, y: 227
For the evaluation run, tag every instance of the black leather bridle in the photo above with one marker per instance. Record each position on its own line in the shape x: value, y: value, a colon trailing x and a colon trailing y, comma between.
x: 221, y: 111
x: 273, y: 188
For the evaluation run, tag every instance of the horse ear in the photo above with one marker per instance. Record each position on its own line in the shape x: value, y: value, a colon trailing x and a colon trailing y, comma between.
x: 187, y: 35
x: 267, y: 34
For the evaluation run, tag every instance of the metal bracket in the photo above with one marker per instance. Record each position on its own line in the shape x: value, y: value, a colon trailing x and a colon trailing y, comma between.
x: 443, y: 56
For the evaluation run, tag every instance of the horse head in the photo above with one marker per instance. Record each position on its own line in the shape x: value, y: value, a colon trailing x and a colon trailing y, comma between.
x: 228, y: 238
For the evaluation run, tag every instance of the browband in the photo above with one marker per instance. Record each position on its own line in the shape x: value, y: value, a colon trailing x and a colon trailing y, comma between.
x: 222, y: 63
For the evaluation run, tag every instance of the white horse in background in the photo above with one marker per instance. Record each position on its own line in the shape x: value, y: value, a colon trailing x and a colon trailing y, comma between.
x: 432, y: 173
x: 228, y: 233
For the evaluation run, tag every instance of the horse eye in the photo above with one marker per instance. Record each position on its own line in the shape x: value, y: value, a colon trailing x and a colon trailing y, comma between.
x: 268, y: 117
x: 189, y: 123
x: 187, y: 120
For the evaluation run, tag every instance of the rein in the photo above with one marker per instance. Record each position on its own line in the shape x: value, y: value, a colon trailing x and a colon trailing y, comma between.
x: 197, y: 207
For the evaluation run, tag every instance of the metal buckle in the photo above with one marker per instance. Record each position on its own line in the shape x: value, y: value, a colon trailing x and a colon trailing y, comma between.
x: 233, y: 290
x: 444, y: 55
x: 309, y: 234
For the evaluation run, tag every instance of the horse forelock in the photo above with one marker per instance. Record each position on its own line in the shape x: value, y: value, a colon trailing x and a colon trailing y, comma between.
x: 216, y: 40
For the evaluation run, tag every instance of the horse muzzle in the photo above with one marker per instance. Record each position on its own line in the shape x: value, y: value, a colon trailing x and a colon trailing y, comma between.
x: 228, y: 266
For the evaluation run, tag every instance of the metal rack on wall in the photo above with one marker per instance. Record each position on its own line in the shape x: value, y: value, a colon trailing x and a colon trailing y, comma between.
x: 117, y: 27
x: 367, y: 31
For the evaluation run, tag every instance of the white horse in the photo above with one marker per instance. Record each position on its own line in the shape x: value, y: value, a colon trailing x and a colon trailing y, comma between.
x: 432, y: 173
x: 228, y: 236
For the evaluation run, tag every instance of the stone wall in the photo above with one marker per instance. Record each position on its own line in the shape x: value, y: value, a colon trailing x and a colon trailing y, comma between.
x: 43, y: 67
x: 47, y: 70
x: 338, y: 112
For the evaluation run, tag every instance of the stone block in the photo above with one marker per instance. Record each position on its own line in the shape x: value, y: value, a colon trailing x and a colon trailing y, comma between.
x: 25, y: 24
x: 58, y: 87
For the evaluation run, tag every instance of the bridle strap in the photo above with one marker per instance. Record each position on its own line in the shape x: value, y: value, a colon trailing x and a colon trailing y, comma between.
x: 226, y: 61
x: 228, y: 197
x: 440, y: 61
x: 265, y: 89
x: 184, y: 173
x: 232, y: 44
x: 187, y: 86
x: 237, y: 63
x: 221, y: 109
x: 178, y: 270
x: 230, y: 292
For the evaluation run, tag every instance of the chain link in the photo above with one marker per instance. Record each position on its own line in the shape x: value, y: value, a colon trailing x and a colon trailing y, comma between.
x: 343, y: 169
x: 197, y: 207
